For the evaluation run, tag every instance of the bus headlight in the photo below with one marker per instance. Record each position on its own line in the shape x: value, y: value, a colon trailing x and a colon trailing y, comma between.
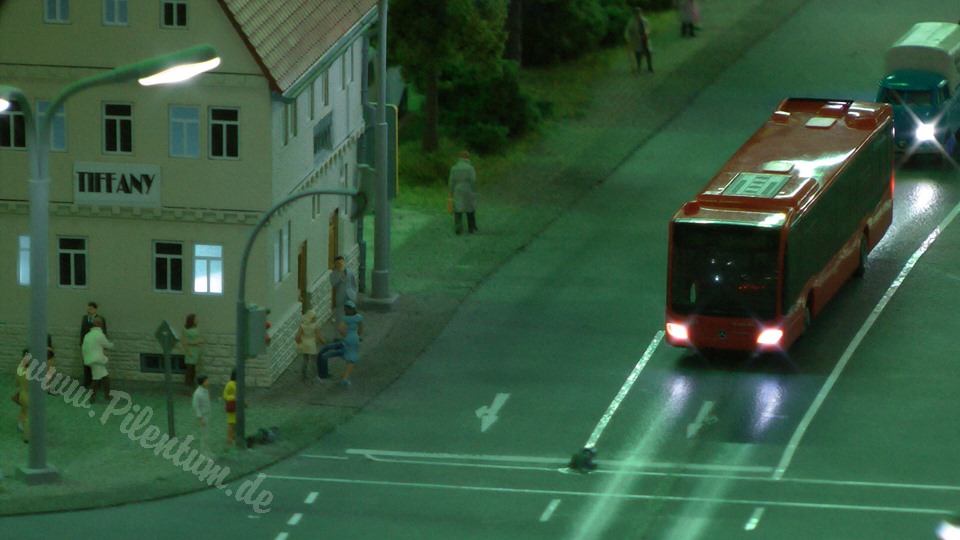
x: 770, y: 336
x: 926, y: 132
x: 677, y: 331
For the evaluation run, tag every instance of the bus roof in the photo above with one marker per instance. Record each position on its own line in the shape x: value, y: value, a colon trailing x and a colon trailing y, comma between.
x: 794, y: 156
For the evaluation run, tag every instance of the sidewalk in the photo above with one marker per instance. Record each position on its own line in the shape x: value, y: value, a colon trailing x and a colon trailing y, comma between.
x: 432, y: 271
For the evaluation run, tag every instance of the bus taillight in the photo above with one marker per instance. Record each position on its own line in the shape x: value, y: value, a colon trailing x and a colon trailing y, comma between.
x: 677, y: 331
x: 770, y: 336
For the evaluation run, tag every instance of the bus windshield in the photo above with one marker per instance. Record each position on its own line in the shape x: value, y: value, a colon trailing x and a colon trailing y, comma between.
x: 722, y: 269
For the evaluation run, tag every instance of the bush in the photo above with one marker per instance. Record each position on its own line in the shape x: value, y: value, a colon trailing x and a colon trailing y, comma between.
x: 484, y: 111
x: 557, y: 30
x: 417, y: 168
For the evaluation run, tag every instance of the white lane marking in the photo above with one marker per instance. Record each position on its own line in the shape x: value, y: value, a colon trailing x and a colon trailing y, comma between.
x: 318, y: 456
x: 872, y: 318
x: 282, y: 536
x: 294, y: 519
x: 427, y: 458
x: 311, y: 497
x: 754, y: 519
x: 488, y: 415
x: 622, y: 394
x: 701, y: 419
x: 545, y: 516
x: 629, y: 496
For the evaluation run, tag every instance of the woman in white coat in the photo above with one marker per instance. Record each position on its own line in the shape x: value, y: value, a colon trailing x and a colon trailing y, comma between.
x: 308, y: 340
x: 93, y: 345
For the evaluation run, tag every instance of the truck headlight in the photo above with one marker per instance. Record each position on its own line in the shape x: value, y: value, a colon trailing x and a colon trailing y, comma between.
x: 926, y: 132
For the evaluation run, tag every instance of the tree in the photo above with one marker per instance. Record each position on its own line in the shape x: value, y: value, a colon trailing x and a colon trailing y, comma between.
x: 429, y: 34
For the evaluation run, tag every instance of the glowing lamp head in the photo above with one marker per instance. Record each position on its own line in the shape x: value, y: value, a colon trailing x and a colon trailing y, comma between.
x: 926, y: 133
x: 677, y: 331
x: 4, y: 104
x: 770, y: 336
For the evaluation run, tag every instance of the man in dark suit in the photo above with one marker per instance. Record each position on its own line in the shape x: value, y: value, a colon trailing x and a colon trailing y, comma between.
x: 85, y: 325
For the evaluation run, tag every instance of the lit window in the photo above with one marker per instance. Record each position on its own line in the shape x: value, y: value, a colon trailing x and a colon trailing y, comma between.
x: 208, y: 269
x: 173, y: 13
x: 281, y: 253
x: 224, y: 133
x: 58, y: 126
x: 56, y: 11
x: 23, y: 261
x: 168, y: 266
x: 117, y: 128
x: 72, y: 262
x: 115, y: 12
x: 184, y: 132
x: 13, y: 127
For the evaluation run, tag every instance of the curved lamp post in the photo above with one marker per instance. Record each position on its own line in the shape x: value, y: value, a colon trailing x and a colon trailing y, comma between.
x: 168, y: 68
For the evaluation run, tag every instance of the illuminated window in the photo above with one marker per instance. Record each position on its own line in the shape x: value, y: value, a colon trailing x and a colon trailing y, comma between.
x: 281, y: 253
x: 23, y: 261
x: 184, y: 131
x: 115, y: 12
x: 56, y: 11
x: 72, y: 262
x: 208, y: 269
x: 58, y: 126
x: 168, y: 266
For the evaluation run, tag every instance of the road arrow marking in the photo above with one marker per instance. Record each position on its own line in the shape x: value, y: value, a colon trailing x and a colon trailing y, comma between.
x: 702, y: 419
x: 488, y: 415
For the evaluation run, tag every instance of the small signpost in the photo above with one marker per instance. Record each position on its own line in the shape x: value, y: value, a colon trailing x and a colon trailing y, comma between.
x: 168, y: 339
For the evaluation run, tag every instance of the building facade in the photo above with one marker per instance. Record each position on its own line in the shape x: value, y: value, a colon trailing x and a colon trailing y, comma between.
x: 155, y: 190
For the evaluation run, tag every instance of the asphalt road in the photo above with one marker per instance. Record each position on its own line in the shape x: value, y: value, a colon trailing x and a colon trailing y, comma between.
x: 851, y: 435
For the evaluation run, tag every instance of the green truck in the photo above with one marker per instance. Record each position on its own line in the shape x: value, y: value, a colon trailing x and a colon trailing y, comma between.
x: 921, y: 81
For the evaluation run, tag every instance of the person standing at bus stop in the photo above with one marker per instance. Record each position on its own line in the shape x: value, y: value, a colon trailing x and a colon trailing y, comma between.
x: 463, y: 193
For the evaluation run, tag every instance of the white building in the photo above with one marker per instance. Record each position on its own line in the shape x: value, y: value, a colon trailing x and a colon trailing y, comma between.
x: 155, y: 190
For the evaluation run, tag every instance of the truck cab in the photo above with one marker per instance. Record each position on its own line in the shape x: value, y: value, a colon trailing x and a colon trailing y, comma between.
x: 921, y: 81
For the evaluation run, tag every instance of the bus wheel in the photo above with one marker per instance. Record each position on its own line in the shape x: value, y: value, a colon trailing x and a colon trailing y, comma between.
x: 862, y: 268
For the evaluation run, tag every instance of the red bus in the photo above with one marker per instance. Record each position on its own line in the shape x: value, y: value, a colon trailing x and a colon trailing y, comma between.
x: 780, y: 228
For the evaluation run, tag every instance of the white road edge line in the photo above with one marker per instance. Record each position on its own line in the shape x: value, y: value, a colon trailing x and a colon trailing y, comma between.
x: 622, y: 394
x: 852, y: 347
x: 311, y: 497
x: 545, y: 516
x: 294, y: 519
x: 754, y: 519
x: 282, y: 536
x: 628, y: 496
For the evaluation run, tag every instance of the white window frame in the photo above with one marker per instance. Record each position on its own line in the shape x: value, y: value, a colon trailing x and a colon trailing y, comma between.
x: 58, y: 125
x: 206, y: 266
x: 56, y: 11
x: 23, y: 260
x: 169, y: 258
x: 223, y: 126
x: 78, y: 257
x: 188, y: 129
x: 120, y: 11
x: 123, y: 122
x: 175, y: 23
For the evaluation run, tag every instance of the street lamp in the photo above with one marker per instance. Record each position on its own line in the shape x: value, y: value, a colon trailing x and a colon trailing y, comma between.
x: 168, y: 68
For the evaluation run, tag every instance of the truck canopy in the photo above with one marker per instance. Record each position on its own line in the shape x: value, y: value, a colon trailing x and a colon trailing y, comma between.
x: 928, y: 46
